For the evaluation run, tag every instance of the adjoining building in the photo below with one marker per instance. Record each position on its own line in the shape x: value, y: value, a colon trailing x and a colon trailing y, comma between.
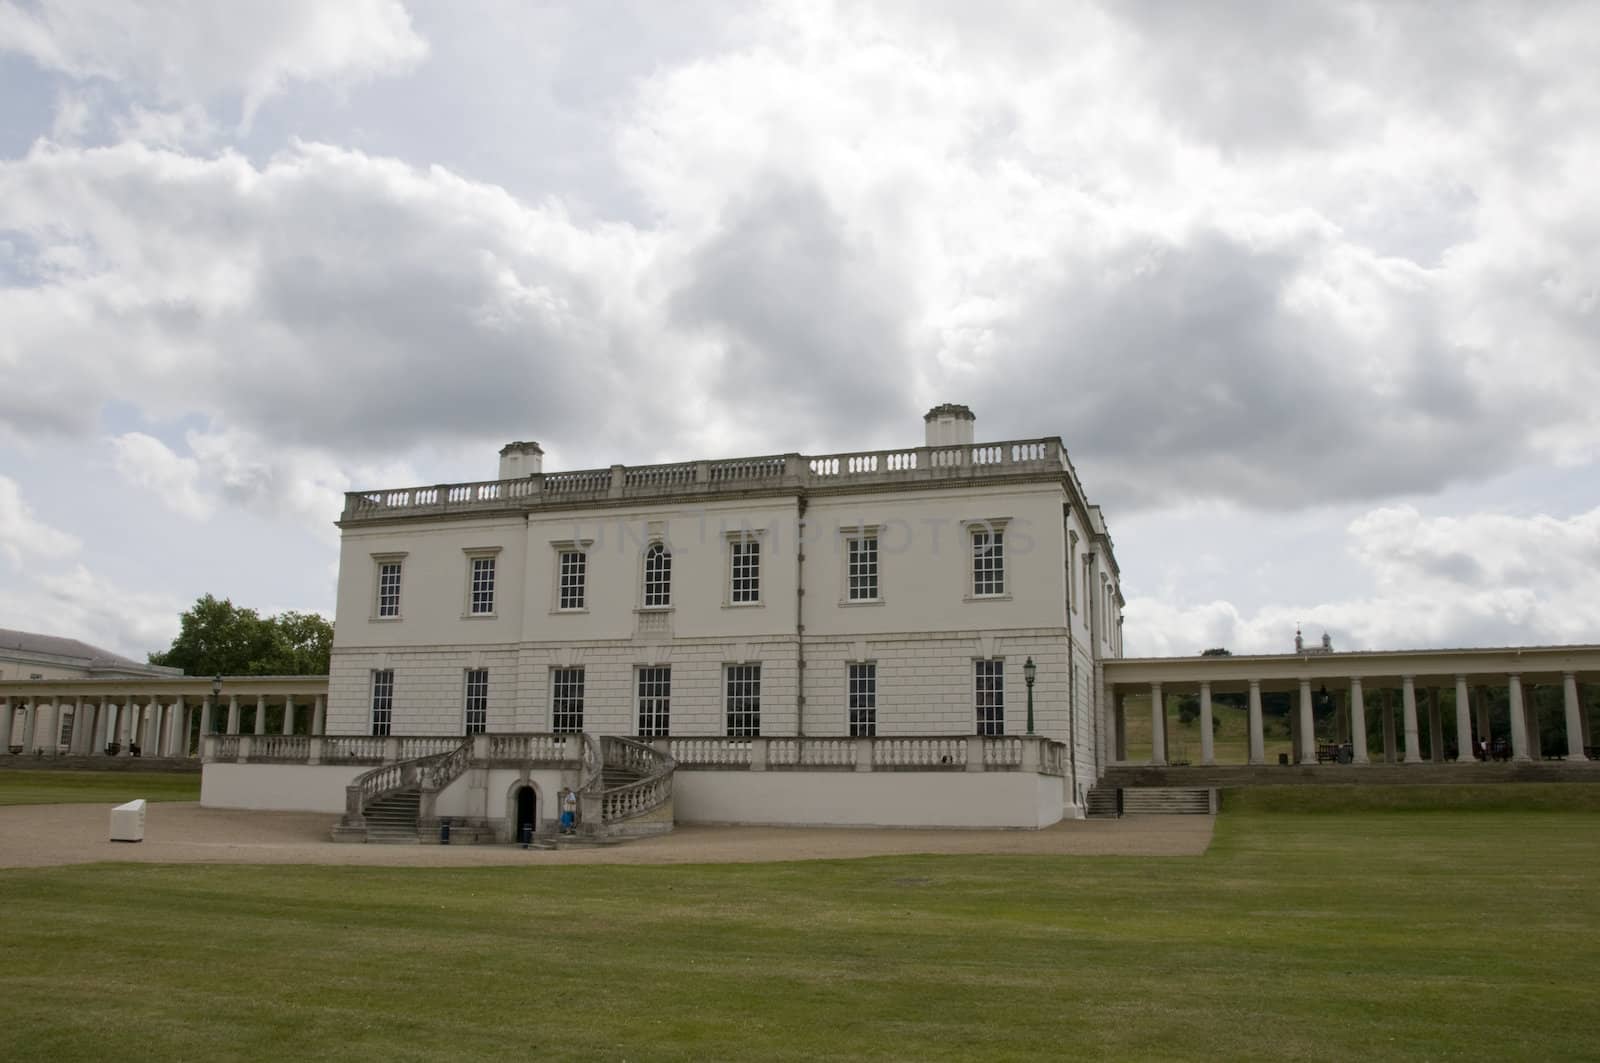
x: 27, y: 655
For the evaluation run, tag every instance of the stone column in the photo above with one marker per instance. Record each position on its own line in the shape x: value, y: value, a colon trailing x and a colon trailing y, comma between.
x: 233, y: 714
x: 152, y: 727
x: 1358, y: 722
x: 1208, y: 754
x: 1519, y: 719
x: 30, y: 724
x: 1435, y: 726
x: 319, y: 720
x: 1308, y: 728
x: 288, y: 715
x: 1569, y: 691
x: 1464, y: 747
x: 261, y: 714
x: 8, y: 716
x: 91, y: 726
x: 1158, y: 726
x: 1258, y: 753
x: 50, y: 725
x: 206, y: 707
x: 1391, y: 751
x: 119, y: 727
x: 177, y: 737
x: 1408, y: 705
x: 1480, y: 698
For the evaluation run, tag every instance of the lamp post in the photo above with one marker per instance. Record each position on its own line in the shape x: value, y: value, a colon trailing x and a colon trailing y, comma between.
x: 216, y: 705
x: 1029, y: 672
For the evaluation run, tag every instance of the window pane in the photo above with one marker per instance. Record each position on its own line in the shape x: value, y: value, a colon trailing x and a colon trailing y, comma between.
x: 988, y: 562
x: 655, y: 697
x: 657, y: 576
x: 483, y: 585
x: 477, y: 701
x: 861, y: 560
x: 389, y: 588
x: 744, y: 700
x: 382, y: 700
x: 745, y: 585
x: 566, y: 700
x: 862, y: 695
x: 573, y: 565
x: 990, y: 680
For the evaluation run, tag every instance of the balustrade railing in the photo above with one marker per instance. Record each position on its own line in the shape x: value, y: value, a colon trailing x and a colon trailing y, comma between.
x: 1030, y: 455
x: 535, y: 748
x: 1002, y: 752
x: 711, y: 752
x: 919, y: 754
x: 280, y: 747
x: 410, y: 748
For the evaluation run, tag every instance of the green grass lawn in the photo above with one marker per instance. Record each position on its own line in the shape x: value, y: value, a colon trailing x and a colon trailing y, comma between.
x: 1319, y: 934
x: 41, y: 787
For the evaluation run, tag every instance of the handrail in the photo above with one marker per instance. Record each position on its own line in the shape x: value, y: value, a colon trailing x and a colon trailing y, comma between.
x: 640, y: 796
x: 371, y: 786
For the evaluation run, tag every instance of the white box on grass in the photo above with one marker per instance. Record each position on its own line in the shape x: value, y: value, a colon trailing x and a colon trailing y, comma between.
x: 127, y: 822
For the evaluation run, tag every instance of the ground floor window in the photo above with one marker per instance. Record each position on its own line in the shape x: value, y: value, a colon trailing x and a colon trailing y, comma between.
x: 477, y: 701
x: 744, y: 700
x: 862, y: 695
x: 655, y: 701
x: 566, y: 700
x: 990, y: 689
x: 382, y: 700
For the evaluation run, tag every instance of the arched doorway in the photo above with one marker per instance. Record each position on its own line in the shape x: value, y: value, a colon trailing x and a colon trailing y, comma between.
x: 527, y: 811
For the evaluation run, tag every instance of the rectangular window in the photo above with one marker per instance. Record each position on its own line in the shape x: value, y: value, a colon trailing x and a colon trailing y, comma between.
x: 655, y: 702
x: 389, y: 588
x: 657, y: 577
x: 482, y: 585
x: 988, y: 563
x: 744, y: 700
x: 477, y: 701
x: 573, y: 565
x: 863, y: 700
x: 566, y: 700
x: 745, y: 575
x: 861, y: 568
x: 991, y: 696
x: 382, y: 700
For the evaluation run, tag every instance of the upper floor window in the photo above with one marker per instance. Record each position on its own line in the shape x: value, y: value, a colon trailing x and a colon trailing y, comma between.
x: 573, y: 566
x: 744, y: 700
x: 566, y: 700
x: 382, y: 700
x: 388, y: 603
x: 477, y: 701
x: 657, y: 576
x: 989, y: 681
x: 482, y: 591
x: 862, y: 699
x: 988, y: 561
x: 861, y: 568
x: 744, y: 573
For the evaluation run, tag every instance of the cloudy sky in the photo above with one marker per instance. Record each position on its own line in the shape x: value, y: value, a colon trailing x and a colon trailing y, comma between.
x: 1311, y: 291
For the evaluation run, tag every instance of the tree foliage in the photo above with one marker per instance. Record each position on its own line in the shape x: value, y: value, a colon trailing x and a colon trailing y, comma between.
x: 218, y: 637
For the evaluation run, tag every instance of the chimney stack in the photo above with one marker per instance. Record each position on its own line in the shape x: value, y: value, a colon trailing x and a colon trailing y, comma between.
x: 519, y: 460
x: 949, y: 425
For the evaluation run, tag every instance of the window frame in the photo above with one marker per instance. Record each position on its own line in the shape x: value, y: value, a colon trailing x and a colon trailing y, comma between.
x: 469, y: 606
x: 861, y: 697
x: 376, y: 600
x: 563, y: 548
x: 659, y: 676
x: 470, y: 677
x: 992, y: 670
x: 381, y: 685
x: 748, y: 699
x: 849, y: 538
x: 567, y: 674
x: 738, y: 543
x: 995, y: 529
x: 662, y: 581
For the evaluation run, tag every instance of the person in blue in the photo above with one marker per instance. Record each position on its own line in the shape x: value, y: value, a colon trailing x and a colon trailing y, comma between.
x: 569, y: 811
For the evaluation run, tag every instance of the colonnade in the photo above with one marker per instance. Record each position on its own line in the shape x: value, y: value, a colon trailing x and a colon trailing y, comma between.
x: 156, y: 723
x: 1402, y: 741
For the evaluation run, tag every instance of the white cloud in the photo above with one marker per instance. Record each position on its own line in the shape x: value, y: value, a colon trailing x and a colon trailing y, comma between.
x: 76, y: 603
x: 148, y: 463
x: 23, y: 537
x: 1484, y: 579
x: 192, y: 51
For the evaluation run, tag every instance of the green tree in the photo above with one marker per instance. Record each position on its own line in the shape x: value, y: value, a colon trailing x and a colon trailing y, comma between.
x: 220, y: 637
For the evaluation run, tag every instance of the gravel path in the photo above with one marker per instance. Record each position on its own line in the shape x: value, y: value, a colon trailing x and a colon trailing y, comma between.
x: 185, y: 833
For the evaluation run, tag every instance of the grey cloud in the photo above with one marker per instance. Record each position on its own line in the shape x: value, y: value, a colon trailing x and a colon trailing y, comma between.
x: 809, y: 318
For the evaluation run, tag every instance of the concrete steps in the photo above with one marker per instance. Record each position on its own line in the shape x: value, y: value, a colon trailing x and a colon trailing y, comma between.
x: 393, y: 819
x: 1168, y: 801
x: 1101, y: 803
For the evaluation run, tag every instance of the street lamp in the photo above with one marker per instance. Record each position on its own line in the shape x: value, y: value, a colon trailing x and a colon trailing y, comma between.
x: 216, y: 700
x: 1029, y: 672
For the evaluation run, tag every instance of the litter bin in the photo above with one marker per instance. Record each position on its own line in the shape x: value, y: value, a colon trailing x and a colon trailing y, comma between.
x: 1283, y: 759
x: 444, y: 832
x: 527, y: 835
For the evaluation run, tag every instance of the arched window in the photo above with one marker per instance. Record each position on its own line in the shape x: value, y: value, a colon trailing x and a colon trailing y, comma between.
x: 657, y: 576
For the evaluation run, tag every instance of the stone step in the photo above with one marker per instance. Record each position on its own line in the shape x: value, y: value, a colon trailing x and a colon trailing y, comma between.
x: 1101, y: 803
x: 1168, y: 801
